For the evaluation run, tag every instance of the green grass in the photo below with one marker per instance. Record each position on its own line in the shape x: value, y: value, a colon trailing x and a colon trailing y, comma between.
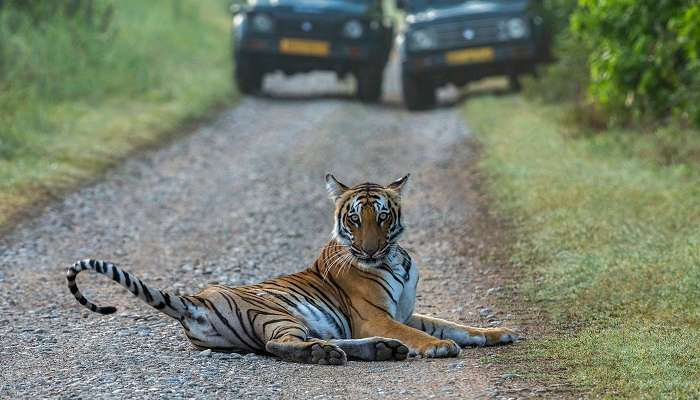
x: 610, y: 247
x: 77, y: 96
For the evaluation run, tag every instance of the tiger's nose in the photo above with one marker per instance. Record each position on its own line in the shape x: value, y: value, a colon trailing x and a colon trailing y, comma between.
x: 371, y: 248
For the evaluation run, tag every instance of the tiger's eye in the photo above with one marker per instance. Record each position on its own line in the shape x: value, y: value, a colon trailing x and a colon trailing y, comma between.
x: 383, y: 216
x: 354, y: 218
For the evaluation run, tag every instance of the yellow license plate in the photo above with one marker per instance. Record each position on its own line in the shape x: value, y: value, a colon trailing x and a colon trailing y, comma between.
x: 468, y: 56
x: 305, y: 47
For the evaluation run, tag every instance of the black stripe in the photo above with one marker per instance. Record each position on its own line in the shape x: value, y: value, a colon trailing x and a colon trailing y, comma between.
x: 255, y: 301
x: 115, y: 274
x: 321, y: 293
x: 166, y: 298
x: 406, y: 264
x: 216, y: 330
x: 386, y: 268
x: 251, y: 335
x: 337, y: 319
x: 182, y: 300
x: 228, y: 325
x: 345, y: 300
x: 274, y: 333
x: 376, y: 306
x: 282, y: 298
x: 106, y: 310
x: 274, y: 321
x: 225, y: 321
x: 201, y: 299
x: 287, y: 328
x: 127, y: 279
x: 145, y: 291
x: 82, y: 300
x: 379, y: 281
x: 396, y: 234
x: 73, y: 288
x: 329, y: 317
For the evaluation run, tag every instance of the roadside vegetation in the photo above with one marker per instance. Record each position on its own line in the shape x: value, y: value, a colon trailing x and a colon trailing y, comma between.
x: 84, y: 83
x: 625, y: 62
x: 609, y: 246
x: 598, y: 167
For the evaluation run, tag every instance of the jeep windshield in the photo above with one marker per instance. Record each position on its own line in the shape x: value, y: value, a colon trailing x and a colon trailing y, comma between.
x: 310, y: 2
x: 415, y: 6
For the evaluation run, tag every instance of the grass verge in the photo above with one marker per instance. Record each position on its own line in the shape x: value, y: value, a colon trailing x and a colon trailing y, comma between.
x: 610, y: 249
x: 79, y: 94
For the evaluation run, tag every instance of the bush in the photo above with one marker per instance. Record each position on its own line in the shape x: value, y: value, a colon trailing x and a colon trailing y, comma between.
x: 644, y: 57
x: 567, y: 78
x: 556, y: 14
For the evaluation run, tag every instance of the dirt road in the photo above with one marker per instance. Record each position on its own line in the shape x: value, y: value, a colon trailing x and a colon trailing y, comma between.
x: 238, y: 201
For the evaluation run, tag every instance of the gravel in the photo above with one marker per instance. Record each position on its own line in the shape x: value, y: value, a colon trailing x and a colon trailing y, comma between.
x: 240, y: 200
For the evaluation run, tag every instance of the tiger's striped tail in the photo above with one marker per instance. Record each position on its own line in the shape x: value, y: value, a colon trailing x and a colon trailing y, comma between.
x: 170, y: 305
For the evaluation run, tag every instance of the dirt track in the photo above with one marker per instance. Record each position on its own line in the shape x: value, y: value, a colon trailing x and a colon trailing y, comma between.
x: 238, y: 201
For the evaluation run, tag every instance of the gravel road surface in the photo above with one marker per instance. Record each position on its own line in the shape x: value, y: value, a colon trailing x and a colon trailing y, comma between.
x: 240, y: 200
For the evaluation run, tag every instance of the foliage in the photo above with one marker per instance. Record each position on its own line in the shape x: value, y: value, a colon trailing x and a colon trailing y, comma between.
x: 608, y: 241
x: 644, y: 56
x: 567, y: 77
x: 556, y: 14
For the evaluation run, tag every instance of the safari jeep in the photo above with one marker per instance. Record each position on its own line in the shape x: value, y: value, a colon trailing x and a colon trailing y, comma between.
x: 292, y: 36
x: 457, y: 41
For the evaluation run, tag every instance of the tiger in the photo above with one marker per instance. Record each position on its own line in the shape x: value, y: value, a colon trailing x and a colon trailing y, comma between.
x: 356, y: 301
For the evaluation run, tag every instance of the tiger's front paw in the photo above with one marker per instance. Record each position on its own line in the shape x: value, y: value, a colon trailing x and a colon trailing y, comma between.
x: 389, y: 349
x: 439, y: 349
x: 495, y: 336
x: 325, y: 354
x: 313, y: 351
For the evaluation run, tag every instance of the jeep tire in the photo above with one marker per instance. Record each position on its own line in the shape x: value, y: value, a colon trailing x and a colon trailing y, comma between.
x: 248, y: 77
x: 369, y: 84
x: 514, y: 84
x: 418, y: 92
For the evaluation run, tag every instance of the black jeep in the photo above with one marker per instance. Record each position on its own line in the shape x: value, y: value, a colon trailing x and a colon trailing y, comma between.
x: 457, y: 41
x: 292, y: 36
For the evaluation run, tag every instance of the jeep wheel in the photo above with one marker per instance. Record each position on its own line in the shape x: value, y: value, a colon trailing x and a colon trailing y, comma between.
x: 514, y: 83
x: 369, y: 84
x: 418, y: 92
x: 248, y: 77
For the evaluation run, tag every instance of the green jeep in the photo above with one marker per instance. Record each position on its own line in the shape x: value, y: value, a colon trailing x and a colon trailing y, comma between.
x: 293, y: 36
x: 458, y: 41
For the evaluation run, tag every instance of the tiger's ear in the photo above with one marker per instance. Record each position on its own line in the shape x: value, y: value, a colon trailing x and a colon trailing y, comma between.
x: 334, y: 187
x: 399, y: 185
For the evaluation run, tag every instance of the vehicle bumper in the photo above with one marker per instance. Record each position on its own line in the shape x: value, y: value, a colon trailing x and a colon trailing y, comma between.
x: 510, y: 59
x: 341, y: 57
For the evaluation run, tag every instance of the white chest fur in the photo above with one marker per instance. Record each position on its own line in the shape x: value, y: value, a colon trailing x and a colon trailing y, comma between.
x: 405, y: 291
x: 407, y: 301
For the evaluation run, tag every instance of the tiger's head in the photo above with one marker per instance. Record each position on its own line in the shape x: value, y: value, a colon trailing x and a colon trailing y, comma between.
x: 367, y: 218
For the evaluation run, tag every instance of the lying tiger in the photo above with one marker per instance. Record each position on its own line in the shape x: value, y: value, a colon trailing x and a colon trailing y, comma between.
x: 355, y: 301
